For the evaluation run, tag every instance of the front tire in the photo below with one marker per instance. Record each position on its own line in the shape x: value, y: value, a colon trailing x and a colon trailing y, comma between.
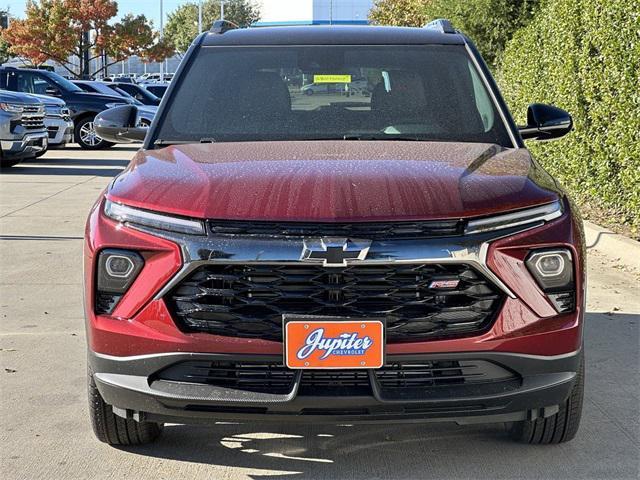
x: 558, y: 428
x: 114, y: 430
x: 85, y: 135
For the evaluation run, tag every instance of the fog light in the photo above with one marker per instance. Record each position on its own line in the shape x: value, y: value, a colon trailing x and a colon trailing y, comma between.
x: 119, y: 266
x: 550, y: 264
x: 553, y: 271
x: 116, y: 271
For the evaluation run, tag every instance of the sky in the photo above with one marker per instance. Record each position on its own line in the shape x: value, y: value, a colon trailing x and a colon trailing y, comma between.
x: 150, y: 8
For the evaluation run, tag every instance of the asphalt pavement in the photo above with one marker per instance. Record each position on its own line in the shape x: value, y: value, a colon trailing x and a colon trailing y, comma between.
x: 44, y: 427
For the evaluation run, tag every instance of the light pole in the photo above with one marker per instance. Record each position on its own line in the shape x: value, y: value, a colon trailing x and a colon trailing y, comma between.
x: 330, y: 12
x: 199, y: 17
x: 221, y: 9
x: 161, y: 35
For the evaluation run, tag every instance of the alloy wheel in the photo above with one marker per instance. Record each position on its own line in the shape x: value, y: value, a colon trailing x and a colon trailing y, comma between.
x: 88, y: 135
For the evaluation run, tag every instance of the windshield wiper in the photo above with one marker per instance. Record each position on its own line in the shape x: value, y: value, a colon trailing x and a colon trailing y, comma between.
x: 164, y: 143
x: 368, y: 136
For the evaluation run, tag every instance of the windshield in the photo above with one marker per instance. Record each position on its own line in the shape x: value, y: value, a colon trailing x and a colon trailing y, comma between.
x: 430, y: 92
x: 63, y: 82
x: 124, y: 94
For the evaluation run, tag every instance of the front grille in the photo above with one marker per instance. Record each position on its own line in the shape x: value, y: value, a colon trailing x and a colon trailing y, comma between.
x: 368, y: 230
x: 397, y: 380
x: 33, y: 117
x: 33, y: 123
x: 248, y: 301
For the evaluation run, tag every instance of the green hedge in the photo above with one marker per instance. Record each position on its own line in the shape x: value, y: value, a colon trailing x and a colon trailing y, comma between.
x: 584, y: 56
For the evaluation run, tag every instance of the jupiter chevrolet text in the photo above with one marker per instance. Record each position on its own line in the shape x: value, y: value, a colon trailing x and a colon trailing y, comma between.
x: 384, y: 249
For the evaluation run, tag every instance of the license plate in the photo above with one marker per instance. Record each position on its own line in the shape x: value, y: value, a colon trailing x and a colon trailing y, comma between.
x: 315, y: 343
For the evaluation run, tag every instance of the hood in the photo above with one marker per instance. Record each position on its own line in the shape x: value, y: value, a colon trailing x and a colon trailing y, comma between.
x: 90, y: 96
x: 16, y: 97
x: 49, y: 101
x: 333, y: 180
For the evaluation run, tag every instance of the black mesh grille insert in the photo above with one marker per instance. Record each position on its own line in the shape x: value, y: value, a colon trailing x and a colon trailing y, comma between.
x: 248, y: 301
x: 369, y: 230
x: 106, y: 302
x: 397, y: 380
x: 249, y: 376
x: 334, y: 382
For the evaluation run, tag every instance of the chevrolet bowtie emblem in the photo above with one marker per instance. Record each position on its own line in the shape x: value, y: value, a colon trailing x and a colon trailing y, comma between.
x: 334, y: 252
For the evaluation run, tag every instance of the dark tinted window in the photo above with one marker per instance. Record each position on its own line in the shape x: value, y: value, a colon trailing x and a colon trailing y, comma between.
x: 157, y: 90
x: 137, y: 92
x: 30, y: 82
x: 286, y: 93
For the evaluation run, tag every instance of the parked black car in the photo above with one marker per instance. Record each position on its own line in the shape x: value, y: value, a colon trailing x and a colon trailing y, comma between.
x: 83, y: 106
x: 93, y: 86
x: 158, y: 89
x: 145, y: 112
x: 141, y: 94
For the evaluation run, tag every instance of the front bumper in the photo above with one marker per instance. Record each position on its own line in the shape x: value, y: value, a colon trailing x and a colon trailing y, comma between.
x: 27, y: 146
x: 131, y: 386
x: 60, y: 130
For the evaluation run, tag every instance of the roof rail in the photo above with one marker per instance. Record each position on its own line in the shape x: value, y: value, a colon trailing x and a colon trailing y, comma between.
x: 442, y: 25
x: 221, y: 26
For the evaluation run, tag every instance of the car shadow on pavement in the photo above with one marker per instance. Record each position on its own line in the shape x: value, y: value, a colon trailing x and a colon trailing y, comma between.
x: 91, y: 167
x: 113, y: 162
x: 119, y: 147
x: 399, y: 451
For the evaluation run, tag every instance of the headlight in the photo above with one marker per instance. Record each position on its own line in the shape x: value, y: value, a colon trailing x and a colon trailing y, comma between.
x: 53, y: 110
x: 553, y: 271
x: 12, y: 107
x: 116, y: 104
x: 543, y: 213
x: 135, y: 216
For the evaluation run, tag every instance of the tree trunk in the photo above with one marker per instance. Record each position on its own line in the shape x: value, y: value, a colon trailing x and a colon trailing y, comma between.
x: 84, y: 62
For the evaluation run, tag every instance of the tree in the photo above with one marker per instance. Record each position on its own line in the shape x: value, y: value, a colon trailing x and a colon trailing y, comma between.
x: 403, y: 13
x: 58, y: 29
x: 182, y: 25
x: 584, y: 56
x: 489, y: 23
x: 4, y: 46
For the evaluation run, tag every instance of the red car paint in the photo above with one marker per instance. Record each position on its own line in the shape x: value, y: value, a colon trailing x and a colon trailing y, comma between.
x: 140, y: 325
x: 333, y: 180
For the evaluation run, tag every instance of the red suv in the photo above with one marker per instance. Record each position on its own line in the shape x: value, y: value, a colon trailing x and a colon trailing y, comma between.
x: 385, y: 249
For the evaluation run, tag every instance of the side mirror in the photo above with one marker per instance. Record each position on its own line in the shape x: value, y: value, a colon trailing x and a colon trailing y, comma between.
x: 119, y: 125
x: 546, y: 122
x: 52, y: 91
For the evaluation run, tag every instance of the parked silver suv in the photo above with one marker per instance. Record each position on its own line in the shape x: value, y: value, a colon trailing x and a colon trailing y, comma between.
x: 57, y: 120
x: 22, y: 130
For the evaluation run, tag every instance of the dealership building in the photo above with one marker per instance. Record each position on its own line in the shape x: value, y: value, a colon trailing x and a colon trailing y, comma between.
x: 314, y: 12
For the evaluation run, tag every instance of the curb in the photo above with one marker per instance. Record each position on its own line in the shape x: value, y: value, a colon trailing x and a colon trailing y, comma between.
x: 615, y: 246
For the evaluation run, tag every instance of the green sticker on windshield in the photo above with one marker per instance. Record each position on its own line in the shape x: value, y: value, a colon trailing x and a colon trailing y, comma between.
x: 332, y: 79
